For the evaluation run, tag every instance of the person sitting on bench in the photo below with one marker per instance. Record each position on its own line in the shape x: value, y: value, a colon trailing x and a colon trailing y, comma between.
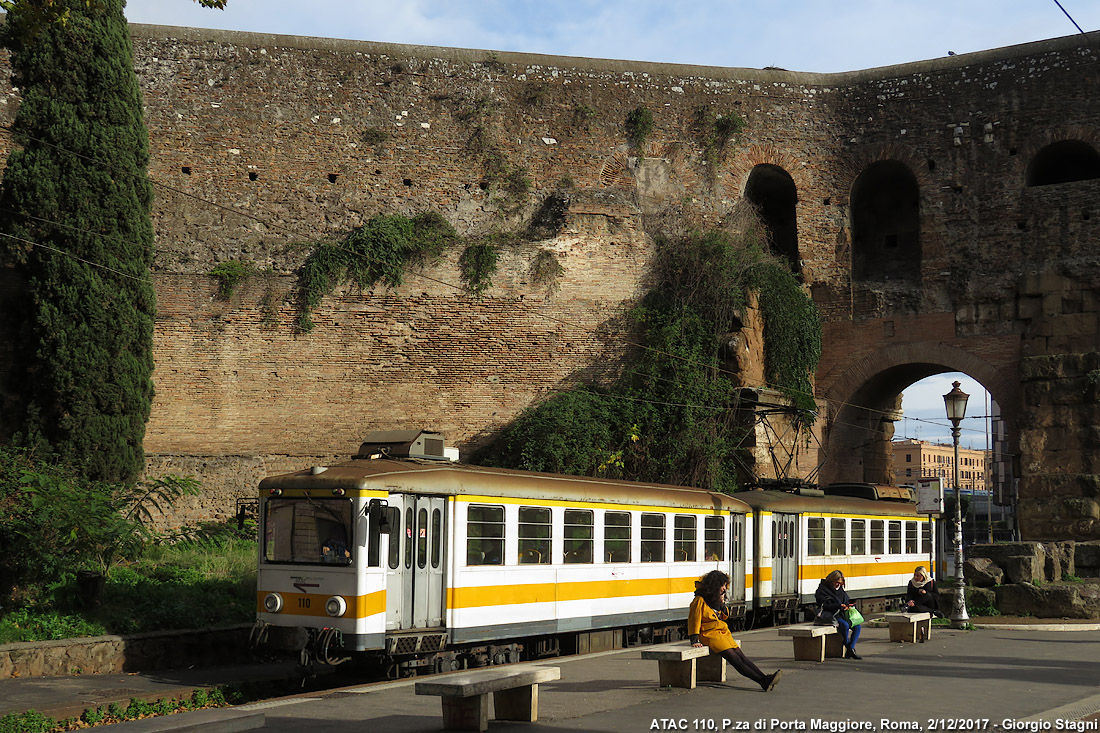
x: 707, y: 627
x: 920, y: 594
x: 832, y: 597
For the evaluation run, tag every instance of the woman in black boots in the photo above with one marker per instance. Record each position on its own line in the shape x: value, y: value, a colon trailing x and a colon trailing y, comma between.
x: 834, y: 599
x: 707, y: 627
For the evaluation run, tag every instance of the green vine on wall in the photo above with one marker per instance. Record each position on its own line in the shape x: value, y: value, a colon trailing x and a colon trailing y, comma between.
x: 716, y: 130
x: 230, y: 274
x: 377, y: 252
x: 792, y: 336
x: 478, y: 264
x: 639, y: 125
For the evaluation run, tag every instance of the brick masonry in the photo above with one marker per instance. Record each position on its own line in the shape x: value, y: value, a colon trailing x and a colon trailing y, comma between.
x: 262, y: 145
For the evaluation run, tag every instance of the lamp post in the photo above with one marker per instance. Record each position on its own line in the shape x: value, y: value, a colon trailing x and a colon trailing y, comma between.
x: 955, y: 402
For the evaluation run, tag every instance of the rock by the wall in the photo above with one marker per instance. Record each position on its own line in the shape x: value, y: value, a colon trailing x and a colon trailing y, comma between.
x: 982, y: 572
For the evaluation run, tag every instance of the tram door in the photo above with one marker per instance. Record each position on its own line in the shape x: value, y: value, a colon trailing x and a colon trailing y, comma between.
x: 737, y: 557
x: 414, y: 569
x: 784, y: 554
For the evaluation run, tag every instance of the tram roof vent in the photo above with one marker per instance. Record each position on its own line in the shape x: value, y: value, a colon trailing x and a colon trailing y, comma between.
x: 878, y: 492
x: 424, y: 444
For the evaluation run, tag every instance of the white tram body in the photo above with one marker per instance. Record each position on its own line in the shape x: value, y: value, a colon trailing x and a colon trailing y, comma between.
x: 413, y: 556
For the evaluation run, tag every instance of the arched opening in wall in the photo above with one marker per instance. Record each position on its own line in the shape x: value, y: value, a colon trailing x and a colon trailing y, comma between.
x: 772, y: 191
x: 893, y: 429
x: 885, y: 206
x: 1063, y: 162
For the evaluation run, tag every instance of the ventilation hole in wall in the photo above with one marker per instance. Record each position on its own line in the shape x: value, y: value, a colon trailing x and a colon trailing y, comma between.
x: 253, y: 175
x: 332, y: 177
x: 826, y: 201
x: 1012, y: 151
x: 466, y: 186
x: 931, y: 164
x: 186, y: 170
x: 484, y: 185
x: 407, y: 181
x: 1021, y: 225
x: 377, y: 171
x: 957, y: 188
x: 1085, y: 215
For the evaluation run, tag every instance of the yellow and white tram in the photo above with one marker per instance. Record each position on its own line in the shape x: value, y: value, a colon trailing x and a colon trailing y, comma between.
x: 423, y: 562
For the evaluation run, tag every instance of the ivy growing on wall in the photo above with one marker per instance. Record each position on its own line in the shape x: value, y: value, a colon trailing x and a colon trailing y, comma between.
x: 230, y: 274
x: 378, y: 251
x: 716, y: 130
x: 670, y: 416
x: 477, y: 264
x: 639, y: 124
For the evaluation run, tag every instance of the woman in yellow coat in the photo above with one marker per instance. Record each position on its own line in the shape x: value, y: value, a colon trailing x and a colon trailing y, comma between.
x: 707, y: 627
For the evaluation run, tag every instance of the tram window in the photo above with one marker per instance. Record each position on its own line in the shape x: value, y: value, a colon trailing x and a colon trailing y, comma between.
x: 653, y: 538
x: 926, y: 538
x: 437, y: 536
x: 616, y: 536
x: 736, y: 545
x: 395, y: 538
x: 683, y: 538
x: 878, y: 544
x: 579, y: 536
x: 310, y: 532
x: 815, y: 536
x: 534, y: 535
x: 714, y: 538
x: 859, y: 536
x: 838, y: 537
x: 894, y: 529
x: 485, y: 535
x: 408, y: 537
x: 422, y: 539
x: 911, y: 538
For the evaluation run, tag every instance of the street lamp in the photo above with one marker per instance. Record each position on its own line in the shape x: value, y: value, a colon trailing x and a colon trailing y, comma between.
x: 955, y: 402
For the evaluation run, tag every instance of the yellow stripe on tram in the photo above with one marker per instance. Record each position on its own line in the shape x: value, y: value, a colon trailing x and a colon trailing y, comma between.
x: 313, y: 604
x: 502, y: 595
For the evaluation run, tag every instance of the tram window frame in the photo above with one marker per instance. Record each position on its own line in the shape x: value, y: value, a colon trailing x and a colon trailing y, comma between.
x: 894, y: 536
x: 714, y: 538
x: 437, y: 537
x: 314, y: 532
x: 815, y: 536
x: 926, y: 538
x: 838, y: 543
x: 422, y: 537
x: 578, y: 536
x: 393, y: 551
x: 685, y: 537
x: 489, y: 548
x: 859, y: 536
x: 410, y: 538
x: 911, y: 539
x: 653, y: 537
x: 616, y: 536
x: 878, y: 537
x: 536, y: 537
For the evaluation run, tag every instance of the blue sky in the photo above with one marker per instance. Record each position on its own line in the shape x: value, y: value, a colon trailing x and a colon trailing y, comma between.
x: 800, y: 35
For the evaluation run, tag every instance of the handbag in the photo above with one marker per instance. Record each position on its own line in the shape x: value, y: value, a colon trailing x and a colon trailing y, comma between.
x: 855, y: 618
x: 825, y: 618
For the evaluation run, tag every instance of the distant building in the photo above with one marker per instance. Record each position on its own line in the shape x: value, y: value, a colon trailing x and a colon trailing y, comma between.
x: 915, y: 459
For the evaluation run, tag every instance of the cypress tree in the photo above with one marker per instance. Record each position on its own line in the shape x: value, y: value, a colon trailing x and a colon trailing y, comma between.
x: 75, y: 202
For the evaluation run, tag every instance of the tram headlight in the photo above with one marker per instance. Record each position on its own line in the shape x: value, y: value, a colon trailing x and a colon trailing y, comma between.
x: 273, y: 603
x: 336, y: 606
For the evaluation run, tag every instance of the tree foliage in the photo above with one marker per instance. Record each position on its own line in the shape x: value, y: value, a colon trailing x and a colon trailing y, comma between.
x: 75, y: 203
x: 670, y: 417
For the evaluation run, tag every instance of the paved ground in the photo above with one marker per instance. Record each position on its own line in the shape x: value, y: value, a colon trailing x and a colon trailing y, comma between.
x: 990, y: 679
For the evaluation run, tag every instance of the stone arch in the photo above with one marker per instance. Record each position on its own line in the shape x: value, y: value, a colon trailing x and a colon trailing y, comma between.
x: 772, y: 192
x: 885, y: 219
x: 862, y: 403
x: 1063, y: 161
x: 742, y: 165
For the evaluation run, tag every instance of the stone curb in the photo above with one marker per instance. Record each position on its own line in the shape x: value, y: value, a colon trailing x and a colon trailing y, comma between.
x: 218, y: 720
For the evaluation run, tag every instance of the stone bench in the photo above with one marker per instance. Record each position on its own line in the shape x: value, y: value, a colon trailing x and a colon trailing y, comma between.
x: 465, y: 695
x: 680, y: 665
x: 815, y: 643
x: 909, y: 626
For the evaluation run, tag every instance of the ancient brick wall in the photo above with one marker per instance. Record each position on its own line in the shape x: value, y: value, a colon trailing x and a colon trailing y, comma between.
x: 263, y: 146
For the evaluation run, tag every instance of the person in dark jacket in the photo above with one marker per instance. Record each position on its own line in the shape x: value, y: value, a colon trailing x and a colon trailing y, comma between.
x: 834, y: 599
x: 920, y: 594
x: 707, y: 627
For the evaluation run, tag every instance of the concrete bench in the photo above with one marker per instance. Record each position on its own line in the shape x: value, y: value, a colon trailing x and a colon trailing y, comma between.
x: 465, y: 695
x: 815, y: 643
x: 909, y: 626
x: 680, y: 665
